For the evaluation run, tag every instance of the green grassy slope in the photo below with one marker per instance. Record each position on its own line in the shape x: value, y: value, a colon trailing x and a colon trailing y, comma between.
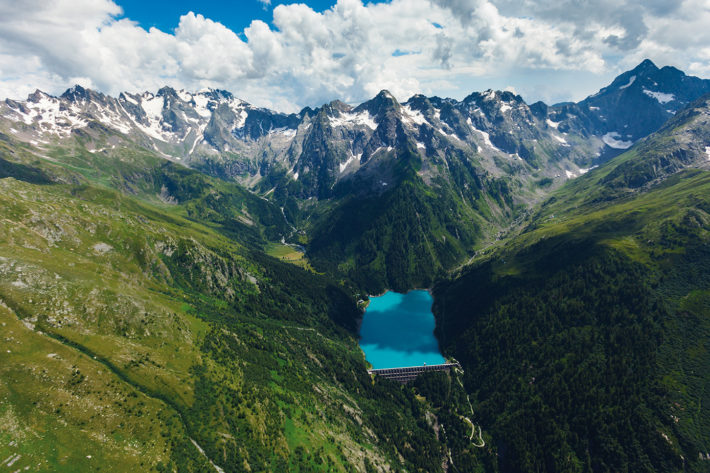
x: 137, y: 327
x: 237, y: 351
x: 138, y: 172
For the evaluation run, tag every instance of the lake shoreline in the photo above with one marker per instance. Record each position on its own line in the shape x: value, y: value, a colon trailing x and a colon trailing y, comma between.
x: 366, y: 303
x: 400, y: 331
x: 427, y: 289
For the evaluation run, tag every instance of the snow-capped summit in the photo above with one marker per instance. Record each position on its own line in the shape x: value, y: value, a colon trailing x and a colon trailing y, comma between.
x: 319, y: 148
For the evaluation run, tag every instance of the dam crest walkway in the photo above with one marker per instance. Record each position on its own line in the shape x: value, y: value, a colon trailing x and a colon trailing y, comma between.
x: 408, y: 373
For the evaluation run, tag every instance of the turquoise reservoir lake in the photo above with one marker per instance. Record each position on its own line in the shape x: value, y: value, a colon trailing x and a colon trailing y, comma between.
x: 398, y: 330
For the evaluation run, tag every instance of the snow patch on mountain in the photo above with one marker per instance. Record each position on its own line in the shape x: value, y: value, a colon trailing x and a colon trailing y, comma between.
x: 613, y: 140
x: 184, y: 95
x: 47, y: 112
x: 242, y: 116
x: 485, y: 135
x: 376, y: 150
x: 561, y: 140
x: 580, y: 172
x: 350, y: 119
x: 552, y: 124
x: 487, y: 140
x: 449, y: 135
x: 153, y: 129
x: 128, y: 98
x: 113, y: 120
x: 352, y: 158
x: 153, y: 106
x: 660, y: 96
x: 201, y: 102
x: 412, y: 116
x: 194, y: 145
x: 631, y: 81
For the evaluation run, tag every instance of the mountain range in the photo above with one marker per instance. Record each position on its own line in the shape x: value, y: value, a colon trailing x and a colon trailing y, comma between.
x: 184, y: 273
x: 485, y: 157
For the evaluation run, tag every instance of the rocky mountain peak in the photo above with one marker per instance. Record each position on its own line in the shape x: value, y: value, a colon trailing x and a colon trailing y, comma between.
x: 167, y: 91
x: 37, y: 95
x: 648, y: 76
x: 634, y: 105
x: 77, y: 93
x: 217, y: 94
x: 418, y: 102
x: 336, y: 107
x: 645, y: 66
x: 380, y: 104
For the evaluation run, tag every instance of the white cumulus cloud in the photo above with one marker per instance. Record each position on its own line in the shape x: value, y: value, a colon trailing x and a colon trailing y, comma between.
x: 353, y: 50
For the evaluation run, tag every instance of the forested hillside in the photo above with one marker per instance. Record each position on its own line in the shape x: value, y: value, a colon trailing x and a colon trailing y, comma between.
x: 585, y: 337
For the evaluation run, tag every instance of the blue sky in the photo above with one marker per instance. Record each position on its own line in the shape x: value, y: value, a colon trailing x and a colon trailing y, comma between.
x: 234, y: 14
x: 287, y: 55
